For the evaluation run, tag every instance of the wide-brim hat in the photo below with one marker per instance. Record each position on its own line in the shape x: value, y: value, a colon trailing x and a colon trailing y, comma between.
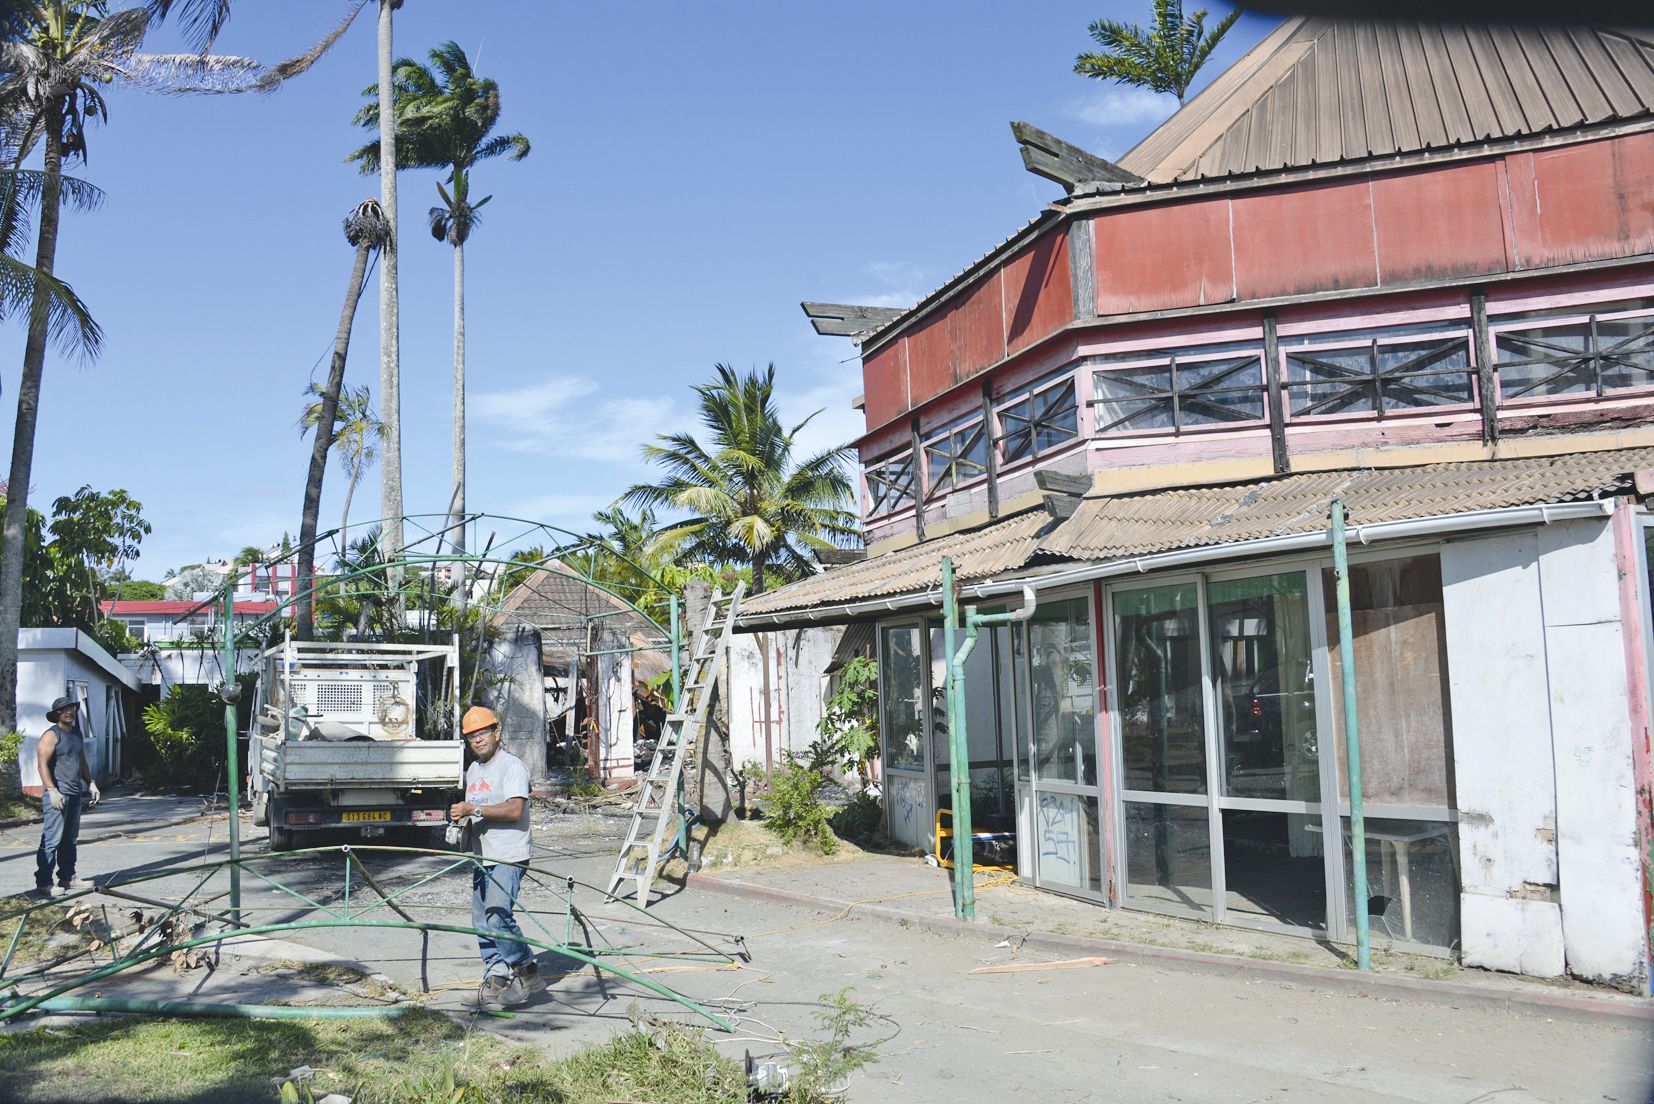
x: 60, y: 705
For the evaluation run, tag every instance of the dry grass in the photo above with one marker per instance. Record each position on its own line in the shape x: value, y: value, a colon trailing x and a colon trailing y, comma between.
x: 738, y: 844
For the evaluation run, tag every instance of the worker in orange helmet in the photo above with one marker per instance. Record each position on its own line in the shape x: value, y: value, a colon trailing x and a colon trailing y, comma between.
x: 496, y: 808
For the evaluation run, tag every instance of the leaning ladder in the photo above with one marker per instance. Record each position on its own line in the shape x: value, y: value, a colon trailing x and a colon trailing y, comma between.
x: 656, y: 802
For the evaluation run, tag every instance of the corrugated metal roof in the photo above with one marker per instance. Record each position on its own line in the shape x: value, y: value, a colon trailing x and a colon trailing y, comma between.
x: 1151, y: 522
x: 976, y: 555
x: 1161, y: 521
x: 556, y: 598
x: 1318, y: 90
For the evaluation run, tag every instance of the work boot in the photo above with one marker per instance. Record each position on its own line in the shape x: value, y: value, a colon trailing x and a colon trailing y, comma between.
x: 493, y: 991
x: 528, y: 974
x: 40, y: 893
x: 74, y: 885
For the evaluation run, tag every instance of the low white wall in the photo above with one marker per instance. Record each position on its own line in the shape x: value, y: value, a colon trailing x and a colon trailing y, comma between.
x: 797, y: 660
x: 1542, y: 753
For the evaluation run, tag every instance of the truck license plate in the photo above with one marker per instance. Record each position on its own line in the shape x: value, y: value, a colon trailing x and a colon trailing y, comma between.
x: 366, y: 817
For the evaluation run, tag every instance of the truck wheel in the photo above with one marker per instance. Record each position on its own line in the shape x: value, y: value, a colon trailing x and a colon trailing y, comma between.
x: 281, y: 839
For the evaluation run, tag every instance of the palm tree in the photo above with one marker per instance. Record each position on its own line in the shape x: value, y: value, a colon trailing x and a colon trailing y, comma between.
x: 390, y: 362
x: 356, y: 433
x: 443, y: 121
x: 749, y: 501
x: 365, y: 231
x: 57, y: 58
x: 1162, y: 58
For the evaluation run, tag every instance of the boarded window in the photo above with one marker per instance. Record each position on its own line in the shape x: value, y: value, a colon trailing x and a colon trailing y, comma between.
x: 890, y: 485
x: 1179, y: 392
x: 956, y: 456
x: 1378, y: 375
x: 1039, y: 421
x: 1590, y: 356
x: 1401, y: 682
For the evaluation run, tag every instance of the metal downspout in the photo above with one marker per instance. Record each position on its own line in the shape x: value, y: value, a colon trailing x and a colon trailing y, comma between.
x: 231, y: 766
x: 1352, y: 737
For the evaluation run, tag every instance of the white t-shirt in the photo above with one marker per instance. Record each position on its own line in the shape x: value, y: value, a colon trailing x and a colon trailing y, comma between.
x: 500, y: 779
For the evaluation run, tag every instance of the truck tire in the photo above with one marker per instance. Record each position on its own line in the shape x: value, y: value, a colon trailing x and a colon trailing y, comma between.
x: 281, y: 839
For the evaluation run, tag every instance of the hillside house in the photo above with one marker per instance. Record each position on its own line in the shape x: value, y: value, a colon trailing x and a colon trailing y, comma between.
x: 1405, y: 266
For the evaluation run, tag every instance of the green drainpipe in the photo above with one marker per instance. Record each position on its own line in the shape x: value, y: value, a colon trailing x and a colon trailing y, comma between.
x: 1352, y: 738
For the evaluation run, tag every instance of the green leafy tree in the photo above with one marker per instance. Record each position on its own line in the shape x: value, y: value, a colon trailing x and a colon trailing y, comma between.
x: 349, y: 413
x: 58, y: 58
x: 849, y: 724
x: 445, y: 117
x: 94, y: 534
x: 1162, y: 57
x: 138, y: 590
x: 749, y: 500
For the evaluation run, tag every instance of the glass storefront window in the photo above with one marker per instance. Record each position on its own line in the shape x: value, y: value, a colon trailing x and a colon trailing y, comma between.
x: 1261, y: 659
x: 1168, y: 855
x: 1062, y: 685
x: 1068, y: 842
x: 901, y: 697
x: 1162, y: 729
x: 1412, y: 881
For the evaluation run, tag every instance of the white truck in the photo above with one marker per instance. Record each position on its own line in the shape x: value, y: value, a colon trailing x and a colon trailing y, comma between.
x: 335, y: 740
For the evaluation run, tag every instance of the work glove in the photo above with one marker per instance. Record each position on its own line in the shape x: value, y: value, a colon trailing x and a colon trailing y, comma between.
x: 56, y: 799
x: 97, y: 795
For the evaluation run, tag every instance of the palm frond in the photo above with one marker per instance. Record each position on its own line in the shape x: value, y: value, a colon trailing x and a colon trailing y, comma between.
x: 186, y: 74
x: 300, y: 63
x: 201, y: 19
x: 69, y: 325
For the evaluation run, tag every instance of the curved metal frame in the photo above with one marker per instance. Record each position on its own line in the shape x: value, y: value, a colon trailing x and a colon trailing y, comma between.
x: 585, y: 953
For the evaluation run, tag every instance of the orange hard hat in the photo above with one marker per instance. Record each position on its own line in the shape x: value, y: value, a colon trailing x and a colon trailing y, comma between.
x: 477, y: 718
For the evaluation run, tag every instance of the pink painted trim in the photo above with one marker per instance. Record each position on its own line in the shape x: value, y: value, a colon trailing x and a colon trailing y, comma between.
x: 1579, y: 291
x: 1634, y: 612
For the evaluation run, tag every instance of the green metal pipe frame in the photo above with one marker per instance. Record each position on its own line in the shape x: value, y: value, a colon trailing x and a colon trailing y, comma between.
x: 1352, y: 737
x: 959, y: 761
x: 222, y: 1011
x: 586, y: 954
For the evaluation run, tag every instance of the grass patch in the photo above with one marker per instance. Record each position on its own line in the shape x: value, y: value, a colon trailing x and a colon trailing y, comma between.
x: 419, y: 1057
x: 736, y: 844
x: 16, y: 806
x: 46, y: 933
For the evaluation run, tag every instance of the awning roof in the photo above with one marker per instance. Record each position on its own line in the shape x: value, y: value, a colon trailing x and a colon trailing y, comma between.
x: 1127, y: 526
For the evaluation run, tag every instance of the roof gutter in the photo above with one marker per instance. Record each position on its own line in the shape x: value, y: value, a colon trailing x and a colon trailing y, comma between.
x: 1506, y: 517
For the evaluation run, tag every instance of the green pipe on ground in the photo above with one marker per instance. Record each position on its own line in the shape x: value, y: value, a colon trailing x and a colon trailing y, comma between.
x: 222, y: 1011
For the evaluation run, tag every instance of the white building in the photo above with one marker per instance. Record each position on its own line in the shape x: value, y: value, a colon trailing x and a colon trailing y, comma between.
x: 54, y: 662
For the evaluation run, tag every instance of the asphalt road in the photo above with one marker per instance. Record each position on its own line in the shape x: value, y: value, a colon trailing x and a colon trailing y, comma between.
x: 1107, y: 1033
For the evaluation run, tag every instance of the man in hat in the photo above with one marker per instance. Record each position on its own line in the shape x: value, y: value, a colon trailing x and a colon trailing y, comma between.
x: 66, y: 785
x: 496, y: 807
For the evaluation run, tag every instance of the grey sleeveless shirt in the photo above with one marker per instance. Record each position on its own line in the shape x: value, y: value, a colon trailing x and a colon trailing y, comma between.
x: 65, y: 762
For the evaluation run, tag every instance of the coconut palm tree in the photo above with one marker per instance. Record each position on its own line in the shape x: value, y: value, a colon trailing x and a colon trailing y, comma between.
x: 443, y: 121
x: 748, y: 499
x: 1164, y: 57
x: 364, y: 230
x: 356, y: 433
x: 59, y: 57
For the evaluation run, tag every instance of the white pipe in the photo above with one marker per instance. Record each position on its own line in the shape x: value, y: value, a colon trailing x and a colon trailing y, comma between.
x: 1504, y: 517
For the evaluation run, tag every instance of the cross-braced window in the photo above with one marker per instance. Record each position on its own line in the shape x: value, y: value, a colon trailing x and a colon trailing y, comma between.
x: 890, y: 485
x: 1339, y: 375
x: 956, y: 456
x: 1039, y: 421
x: 1182, y: 391
x: 1578, y: 356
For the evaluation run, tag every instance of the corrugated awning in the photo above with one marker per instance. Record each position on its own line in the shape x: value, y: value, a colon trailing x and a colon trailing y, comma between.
x: 1124, y: 527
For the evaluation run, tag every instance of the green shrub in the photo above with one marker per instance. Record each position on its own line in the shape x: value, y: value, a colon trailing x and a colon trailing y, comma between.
x: 861, y: 821
x: 796, y: 812
x: 825, y: 1065
x: 183, y: 741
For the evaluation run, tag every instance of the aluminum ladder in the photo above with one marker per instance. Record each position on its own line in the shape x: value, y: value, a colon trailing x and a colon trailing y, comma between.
x: 656, y: 802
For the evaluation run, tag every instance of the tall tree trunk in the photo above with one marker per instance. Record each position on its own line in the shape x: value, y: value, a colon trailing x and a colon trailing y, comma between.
x: 456, y: 504
x: 758, y: 561
x: 323, y: 444
x: 28, y: 413
x: 344, y: 518
x: 390, y: 372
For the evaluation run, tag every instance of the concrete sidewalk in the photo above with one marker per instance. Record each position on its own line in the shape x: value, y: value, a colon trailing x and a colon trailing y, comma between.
x: 1036, y: 925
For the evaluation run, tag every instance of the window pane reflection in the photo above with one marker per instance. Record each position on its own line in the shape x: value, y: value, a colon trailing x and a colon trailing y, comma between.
x: 1162, y: 730
x: 1064, y: 699
x: 901, y: 696
x: 1068, y: 844
x: 1168, y: 856
x: 1412, y: 881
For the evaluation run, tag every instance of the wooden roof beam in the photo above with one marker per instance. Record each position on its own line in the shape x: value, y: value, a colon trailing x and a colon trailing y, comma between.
x: 849, y: 319
x: 1049, y: 156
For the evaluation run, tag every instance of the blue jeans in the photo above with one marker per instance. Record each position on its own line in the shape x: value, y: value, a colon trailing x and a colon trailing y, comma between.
x: 493, y: 894
x: 57, y: 842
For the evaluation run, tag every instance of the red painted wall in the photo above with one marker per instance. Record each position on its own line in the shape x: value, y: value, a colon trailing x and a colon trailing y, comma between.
x: 1517, y: 212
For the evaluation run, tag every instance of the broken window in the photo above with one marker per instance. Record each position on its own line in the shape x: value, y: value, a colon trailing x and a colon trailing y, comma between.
x: 1378, y: 374
x: 1587, y: 356
x: 1044, y: 418
x: 1180, y: 391
x: 890, y: 485
x: 956, y: 456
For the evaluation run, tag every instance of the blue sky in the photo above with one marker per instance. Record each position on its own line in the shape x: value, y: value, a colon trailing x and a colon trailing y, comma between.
x: 698, y: 169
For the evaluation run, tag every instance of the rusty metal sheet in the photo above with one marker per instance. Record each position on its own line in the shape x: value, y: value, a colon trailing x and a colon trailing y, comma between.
x: 1165, y: 256
x: 957, y: 342
x: 1039, y: 296
x: 1310, y: 238
x: 1440, y: 222
x: 884, y: 384
x: 1320, y: 90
